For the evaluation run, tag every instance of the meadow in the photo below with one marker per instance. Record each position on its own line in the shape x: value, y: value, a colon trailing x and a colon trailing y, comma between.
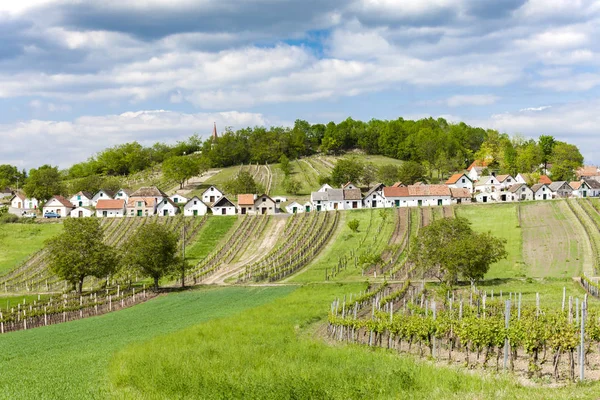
x: 19, y: 241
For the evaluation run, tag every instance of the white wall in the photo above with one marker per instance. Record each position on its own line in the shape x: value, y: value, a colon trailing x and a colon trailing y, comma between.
x: 228, y: 210
x: 377, y: 197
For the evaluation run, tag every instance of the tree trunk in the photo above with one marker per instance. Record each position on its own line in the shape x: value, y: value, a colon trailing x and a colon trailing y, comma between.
x: 81, y: 284
x: 156, y: 284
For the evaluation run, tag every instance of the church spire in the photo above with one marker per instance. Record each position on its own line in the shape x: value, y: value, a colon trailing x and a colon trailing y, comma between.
x: 214, y: 134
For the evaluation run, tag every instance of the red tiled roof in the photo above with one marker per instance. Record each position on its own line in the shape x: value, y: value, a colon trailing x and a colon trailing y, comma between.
x: 478, y: 163
x: 395, y: 191
x: 502, y: 178
x: 460, y: 193
x: 62, y: 201
x: 545, y: 179
x: 110, y: 204
x: 245, y: 199
x: 428, y: 190
x: 588, y: 170
x: 454, y: 178
x: 575, y: 185
x: 148, y: 201
x: 398, y: 184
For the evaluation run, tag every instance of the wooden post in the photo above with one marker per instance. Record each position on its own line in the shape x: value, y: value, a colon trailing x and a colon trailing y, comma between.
x: 564, y: 297
x: 433, y: 310
x: 537, y: 304
x: 582, y: 344
x: 506, y: 342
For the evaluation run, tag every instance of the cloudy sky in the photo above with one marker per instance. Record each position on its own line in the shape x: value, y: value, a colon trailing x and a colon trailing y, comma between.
x: 77, y: 76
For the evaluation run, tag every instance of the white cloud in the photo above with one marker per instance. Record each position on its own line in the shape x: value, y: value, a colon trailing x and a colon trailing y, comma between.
x: 471, y: 100
x: 66, y: 142
x: 541, y: 108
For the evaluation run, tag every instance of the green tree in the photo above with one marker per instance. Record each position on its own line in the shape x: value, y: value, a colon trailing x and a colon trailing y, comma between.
x: 79, y: 251
x: 152, y: 251
x: 284, y: 165
x: 388, y: 174
x: 10, y: 176
x: 411, y: 172
x: 181, y: 168
x: 448, y: 248
x: 348, y: 169
x: 546, y: 144
x: 565, y: 160
x: 369, y: 174
x: 44, y: 182
x: 243, y: 183
x: 292, y: 186
x: 353, y: 225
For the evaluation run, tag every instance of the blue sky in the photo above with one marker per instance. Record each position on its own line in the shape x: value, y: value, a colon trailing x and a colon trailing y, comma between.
x: 76, y: 77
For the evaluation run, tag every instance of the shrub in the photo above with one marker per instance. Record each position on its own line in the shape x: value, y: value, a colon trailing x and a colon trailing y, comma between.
x: 353, y: 225
x: 9, y: 219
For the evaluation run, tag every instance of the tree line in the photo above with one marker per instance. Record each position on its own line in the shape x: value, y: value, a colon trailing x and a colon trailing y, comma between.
x: 435, y: 148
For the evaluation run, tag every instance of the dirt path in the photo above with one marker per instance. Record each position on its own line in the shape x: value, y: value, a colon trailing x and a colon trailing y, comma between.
x: 253, y: 253
x: 193, y: 183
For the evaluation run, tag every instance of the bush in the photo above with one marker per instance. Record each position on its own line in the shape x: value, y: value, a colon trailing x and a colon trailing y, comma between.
x: 9, y: 219
x: 353, y: 225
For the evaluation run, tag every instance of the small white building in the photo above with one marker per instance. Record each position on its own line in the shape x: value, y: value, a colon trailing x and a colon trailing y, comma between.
x: 594, y: 186
x: 102, y: 195
x: 429, y: 195
x: 541, y: 191
x: 505, y: 181
x: 279, y: 199
x: 476, y: 169
x: 58, y: 205
x: 460, y: 181
x: 246, y: 203
x: 82, y: 199
x: 81, y: 212
x: 22, y: 202
x: 349, y: 185
x: 324, y: 188
x: 178, y: 199
x: 580, y: 189
x: 294, y: 208
x: 520, y: 192
x: 374, y: 197
x: 484, y: 197
x: 460, y: 195
x: 223, y: 207
x: 561, y: 190
x: 211, y: 195
x: 5, y: 192
x: 396, y: 196
x: 194, y: 207
x: 265, y: 205
x: 123, y: 194
x: 111, y: 208
x: 167, y: 208
x: 488, y: 184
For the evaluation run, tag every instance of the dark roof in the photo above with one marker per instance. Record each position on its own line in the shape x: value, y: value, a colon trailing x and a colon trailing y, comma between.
x: 515, y: 188
x: 352, y: 194
x: 537, y: 187
x: 126, y: 191
x: 223, y: 202
x: 6, y: 190
x: 322, y: 196
x: 554, y: 186
x: 376, y: 188
x: 335, y: 194
x: 152, y: 191
x: 592, y: 183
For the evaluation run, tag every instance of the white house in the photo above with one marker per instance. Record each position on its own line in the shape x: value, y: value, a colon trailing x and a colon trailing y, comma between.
x: 123, y: 194
x: 352, y: 198
x: 294, y: 208
x: 505, y: 181
x: 178, y: 199
x: 319, y: 200
x: 167, y: 208
x: 246, y: 203
x: 58, y: 205
x: 349, y: 185
x: 111, y: 208
x: 374, y: 197
x: 594, y: 186
x: 396, y: 196
x: 223, y: 207
x: 484, y: 197
x: 22, y: 202
x: 265, y: 205
x: 460, y: 195
x: 541, y: 191
x: 5, y: 192
x: 487, y: 184
x: 279, y: 199
x: 211, y: 195
x: 520, y: 192
x: 102, y: 195
x: 460, y: 181
x: 81, y: 212
x: 429, y: 195
x: 194, y: 207
x: 561, y: 190
x: 82, y: 199
x: 476, y: 168
x: 324, y: 188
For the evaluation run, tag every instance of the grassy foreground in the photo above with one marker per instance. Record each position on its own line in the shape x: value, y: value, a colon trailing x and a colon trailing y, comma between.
x: 271, y: 352
x: 70, y: 361
x: 19, y: 241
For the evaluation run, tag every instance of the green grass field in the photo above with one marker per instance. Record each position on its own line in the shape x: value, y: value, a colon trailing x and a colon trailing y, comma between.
x: 19, y: 241
x: 271, y: 352
x: 213, y: 231
x: 501, y: 220
x: 71, y: 361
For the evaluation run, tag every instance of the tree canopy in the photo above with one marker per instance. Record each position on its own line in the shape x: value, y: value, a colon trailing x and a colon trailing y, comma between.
x: 79, y: 252
x: 152, y: 251
x: 449, y: 249
x: 44, y: 182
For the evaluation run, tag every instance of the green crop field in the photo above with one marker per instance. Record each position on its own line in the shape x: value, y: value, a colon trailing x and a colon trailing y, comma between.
x: 71, y: 361
x: 19, y: 241
x: 215, y: 229
x: 502, y: 221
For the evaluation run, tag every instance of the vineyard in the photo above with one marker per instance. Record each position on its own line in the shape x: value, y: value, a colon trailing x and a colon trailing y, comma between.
x: 475, y: 329
x: 305, y: 236
x: 34, y: 276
